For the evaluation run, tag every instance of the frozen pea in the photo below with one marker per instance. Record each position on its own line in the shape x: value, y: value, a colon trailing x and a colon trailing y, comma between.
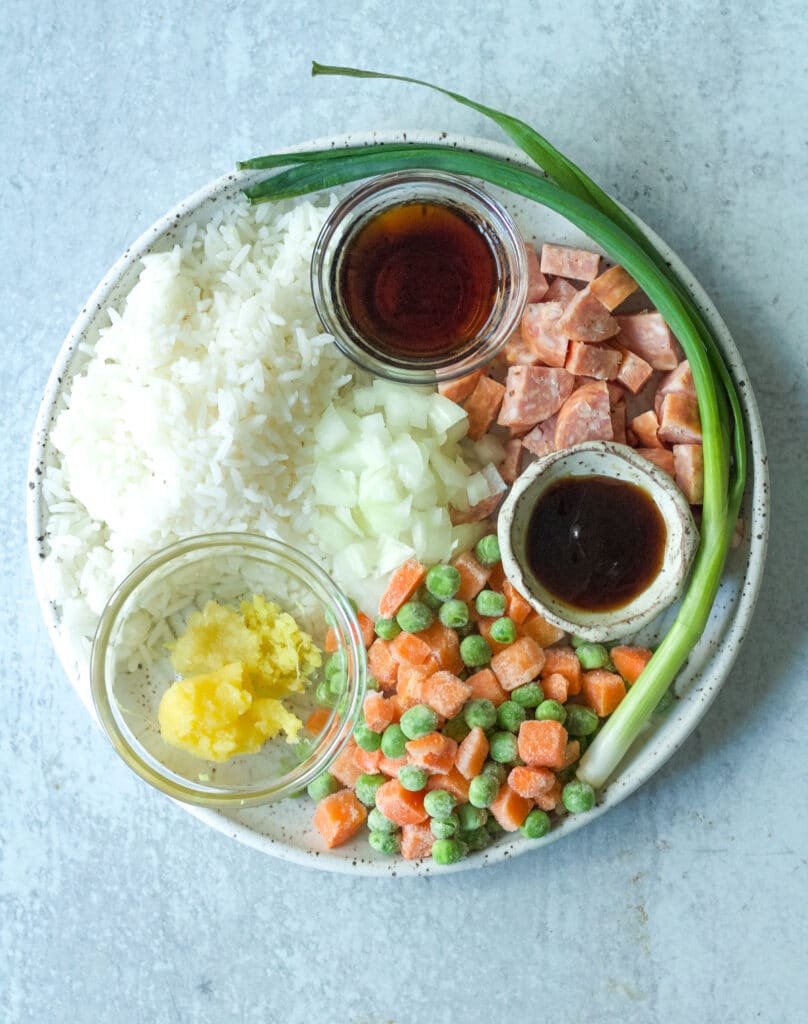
x: 432, y: 602
x: 592, y: 656
x: 377, y: 822
x: 503, y: 747
x: 471, y: 817
x: 456, y: 728
x: 443, y: 581
x: 439, y: 804
x: 394, y: 742
x: 366, y: 738
x: 445, y: 828
x: 385, y: 842
x: 551, y: 709
x: 581, y: 720
x: 536, y: 824
x: 448, y: 851
x: 494, y: 827
x: 337, y: 664
x: 372, y: 683
x: 414, y: 616
x: 324, y: 785
x: 366, y: 786
x: 487, y: 550
x: 503, y: 630
x: 480, y: 713
x: 510, y: 715
x: 387, y: 629
x: 477, y: 839
x: 483, y: 790
x: 497, y: 771
x: 454, y: 614
x: 412, y: 777
x: 528, y: 696
x: 323, y: 695
x: 578, y: 797
x: 490, y: 603
x: 475, y: 651
x: 418, y: 721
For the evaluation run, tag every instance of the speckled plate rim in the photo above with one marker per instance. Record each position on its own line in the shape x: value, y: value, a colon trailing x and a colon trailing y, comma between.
x: 638, y: 770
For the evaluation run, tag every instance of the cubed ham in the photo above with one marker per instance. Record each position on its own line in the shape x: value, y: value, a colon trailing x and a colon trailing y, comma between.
x: 593, y: 361
x: 688, y: 461
x: 541, y: 334
x: 511, y: 465
x: 541, y: 439
x: 516, y: 353
x: 661, y: 457
x: 613, y: 287
x: 645, y: 427
x: 482, y: 406
x: 563, y: 261
x: 537, y: 283
x: 587, y: 319
x: 483, y: 509
x: 585, y: 416
x: 533, y: 393
x: 680, y: 379
x: 648, y: 336
x: 679, y: 421
x: 459, y: 389
x: 634, y: 372
x: 561, y: 291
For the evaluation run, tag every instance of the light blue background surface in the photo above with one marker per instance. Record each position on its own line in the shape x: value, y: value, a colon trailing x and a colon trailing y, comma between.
x: 686, y: 903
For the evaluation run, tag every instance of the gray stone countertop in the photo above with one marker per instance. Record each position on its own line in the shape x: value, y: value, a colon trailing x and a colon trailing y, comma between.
x: 685, y: 903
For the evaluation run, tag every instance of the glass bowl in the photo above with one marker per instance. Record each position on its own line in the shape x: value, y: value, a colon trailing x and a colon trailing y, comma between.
x: 131, y: 668
x: 472, y: 206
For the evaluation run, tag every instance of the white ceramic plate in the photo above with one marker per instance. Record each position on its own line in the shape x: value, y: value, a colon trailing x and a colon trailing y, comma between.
x: 285, y: 830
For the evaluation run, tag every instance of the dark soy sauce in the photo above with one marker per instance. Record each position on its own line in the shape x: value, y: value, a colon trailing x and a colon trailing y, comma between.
x: 419, y: 279
x: 595, y: 543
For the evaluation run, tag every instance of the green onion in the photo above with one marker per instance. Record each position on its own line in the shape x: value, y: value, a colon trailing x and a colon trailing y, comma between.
x: 575, y: 196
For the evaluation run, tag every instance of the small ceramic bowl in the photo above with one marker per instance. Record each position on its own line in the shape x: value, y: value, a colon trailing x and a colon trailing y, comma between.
x: 131, y: 667
x: 616, y: 462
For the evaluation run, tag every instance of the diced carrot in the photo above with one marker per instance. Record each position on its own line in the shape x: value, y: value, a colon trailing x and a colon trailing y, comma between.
x: 318, y: 720
x: 445, y: 646
x: 331, y: 640
x: 530, y: 782
x: 445, y: 693
x: 473, y: 576
x: 510, y: 809
x: 343, y: 768
x: 603, y: 691
x: 366, y: 628
x: 382, y: 665
x: 517, y: 608
x: 459, y: 389
x: 471, y: 753
x: 565, y: 661
x: 549, y: 801
x: 540, y: 630
x: 555, y: 687
x: 433, y: 752
x: 416, y: 841
x: 630, y: 661
x: 409, y: 648
x: 378, y: 711
x: 484, y: 625
x: 519, y: 663
x: 497, y: 579
x: 484, y: 686
x: 543, y: 743
x: 411, y: 685
x: 572, y: 753
x: 338, y: 817
x: 399, y: 804
x: 403, y: 584
x: 482, y: 406
x: 398, y: 706
x: 390, y: 765
x: 453, y: 782
x: 367, y: 760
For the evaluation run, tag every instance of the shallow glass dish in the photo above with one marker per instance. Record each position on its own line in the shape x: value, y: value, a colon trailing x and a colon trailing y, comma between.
x: 131, y: 669
x: 475, y: 207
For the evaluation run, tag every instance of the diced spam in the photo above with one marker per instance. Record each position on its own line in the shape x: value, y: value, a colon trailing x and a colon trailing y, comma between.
x: 511, y: 465
x: 647, y: 335
x: 532, y: 393
x: 661, y: 457
x: 541, y: 334
x: 688, y: 463
x: 634, y: 372
x: 679, y: 422
x: 587, y: 319
x: 679, y: 379
x: 564, y: 261
x: 482, y: 406
x: 596, y: 361
x: 585, y: 416
x: 613, y: 287
x: 646, y: 427
x: 536, y: 281
x: 459, y: 389
x: 541, y: 439
x: 561, y: 291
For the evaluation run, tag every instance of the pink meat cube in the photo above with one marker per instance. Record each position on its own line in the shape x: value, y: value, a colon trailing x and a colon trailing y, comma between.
x: 661, y: 457
x: 541, y: 439
x: 587, y: 319
x: 541, y: 333
x: 532, y: 393
x: 482, y: 406
x: 680, y: 379
x: 585, y: 416
x: 516, y: 353
x: 679, y: 421
x: 688, y: 461
x: 563, y: 261
x: 645, y: 427
x: 634, y: 372
x: 561, y: 291
x: 613, y: 287
x: 511, y: 465
x: 648, y: 336
x: 593, y: 361
x: 537, y: 284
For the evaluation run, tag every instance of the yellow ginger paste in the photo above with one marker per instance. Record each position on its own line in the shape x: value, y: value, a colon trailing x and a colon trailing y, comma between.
x: 237, y: 665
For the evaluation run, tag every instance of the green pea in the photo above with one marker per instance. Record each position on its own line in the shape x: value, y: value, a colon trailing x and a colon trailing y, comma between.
x: 377, y: 822
x: 432, y: 602
x: 337, y: 664
x: 366, y: 738
x: 394, y: 742
x: 503, y: 630
x: 456, y: 728
x: 387, y: 629
x: 322, y: 786
x: 496, y: 771
x: 366, y: 786
x: 528, y: 696
x: 483, y: 790
x: 551, y: 709
x: 385, y: 842
x: 418, y: 721
x: 471, y: 817
x: 439, y: 804
x: 414, y: 616
x: 475, y: 651
x: 536, y: 824
x: 337, y: 684
x: 372, y: 683
x: 578, y: 641
x: 443, y: 581
x: 454, y: 614
x: 480, y: 713
x: 303, y: 749
x: 448, y: 851
x: 490, y: 604
x: 581, y: 720
x: 503, y: 747
x: 578, y: 797
x: 510, y: 716
x: 444, y: 828
x: 477, y: 839
x: 323, y: 695
x: 487, y: 550
x: 494, y: 828
x: 592, y: 656
x: 412, y: 777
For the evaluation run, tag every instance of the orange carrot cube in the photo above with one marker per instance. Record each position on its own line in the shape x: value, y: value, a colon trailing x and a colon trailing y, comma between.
x: 484, y: 686
x: 378, y: 711
x: 542, y: 744
x: 411, y: 683
x: 518, y: 664
x: 434, y: 753
x: 366, y: 628
x: 551, y: 799
x: 630, y: 661
x: 555, y: 687
x: 484, y: 628
x: 338, y: 817
x: 603, y: 691
x: 453, y: 782
x: 445, y: 693
x: 416, y: 841
x: 331, y: 640
x: 530, y: 782
x: 482, y: 406
x: 540, y: 630
x: 403, y: 584
x: 399, y: 804
x: 343, y: 767
x: 445, y: 646
x: 390, y: 765
x: 318, y: 720
x: 473, y: 576
x: 459, y: 389
x: 367, y: 761
x: 410, y: 649
x: 471, y: 753
x: 572, y: 753
x: 565, y: 661
x: 510, y: 809
x: 382, y: 665
x: 517, y: 608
